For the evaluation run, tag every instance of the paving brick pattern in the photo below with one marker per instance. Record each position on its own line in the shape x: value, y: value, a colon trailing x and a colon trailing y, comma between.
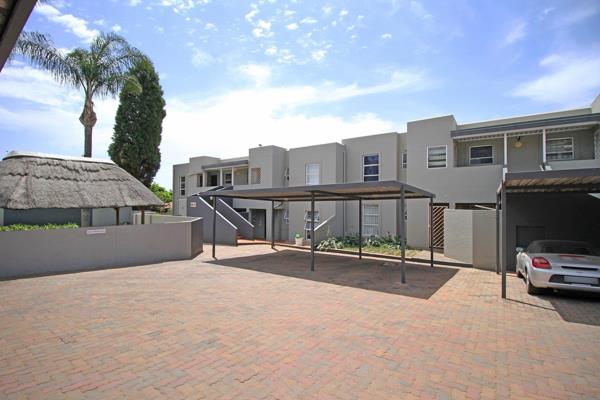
x: 195, y: 329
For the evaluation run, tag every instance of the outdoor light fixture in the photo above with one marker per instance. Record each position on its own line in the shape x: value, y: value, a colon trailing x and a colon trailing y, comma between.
x: 518, y: 143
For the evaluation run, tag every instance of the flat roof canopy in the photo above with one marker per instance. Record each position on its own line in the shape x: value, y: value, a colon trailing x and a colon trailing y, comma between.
x: 380, y: 190
x: 568, y: 180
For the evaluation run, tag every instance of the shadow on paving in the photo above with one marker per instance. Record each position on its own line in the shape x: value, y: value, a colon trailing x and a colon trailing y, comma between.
x: 378, y: 275
x: 578, y: 307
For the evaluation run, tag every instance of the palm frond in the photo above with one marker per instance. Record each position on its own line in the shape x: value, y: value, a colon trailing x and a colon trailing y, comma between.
x: 41, y: 52
x: 113, y: 57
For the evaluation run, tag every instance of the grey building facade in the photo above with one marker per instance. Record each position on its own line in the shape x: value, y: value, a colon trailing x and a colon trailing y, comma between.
x: 463, y: 164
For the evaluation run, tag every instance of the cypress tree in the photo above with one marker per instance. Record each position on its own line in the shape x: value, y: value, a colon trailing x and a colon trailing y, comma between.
x: 138, y: 125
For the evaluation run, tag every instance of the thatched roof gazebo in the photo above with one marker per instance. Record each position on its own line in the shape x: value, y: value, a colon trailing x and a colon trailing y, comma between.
x: 43, y: 181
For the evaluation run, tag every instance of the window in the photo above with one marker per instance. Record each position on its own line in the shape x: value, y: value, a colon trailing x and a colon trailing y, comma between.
x: 370, y: 220
x: 404, y: 160
x: 255, y: 176
x: 182, y: 185
x: 307, y: 221
x: 559, y: 149
x: 227, y: 178
x: 213, y: 177
x: 371, y: 168
x: 313, y: 174
x: 436, y: 157
x: 199, y: 180
x: 481, y: 155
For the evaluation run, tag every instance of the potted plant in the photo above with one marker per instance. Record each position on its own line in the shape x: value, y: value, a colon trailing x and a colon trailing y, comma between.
x: 299, y: 240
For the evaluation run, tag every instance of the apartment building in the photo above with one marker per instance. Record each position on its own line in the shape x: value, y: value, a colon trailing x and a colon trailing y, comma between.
x: 463, y: 164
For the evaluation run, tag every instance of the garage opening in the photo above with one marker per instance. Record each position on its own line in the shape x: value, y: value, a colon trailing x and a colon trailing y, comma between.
x: 546, y: 205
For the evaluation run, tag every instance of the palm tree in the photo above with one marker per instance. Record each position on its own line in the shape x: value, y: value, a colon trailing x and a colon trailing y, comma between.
x: 100, y: 71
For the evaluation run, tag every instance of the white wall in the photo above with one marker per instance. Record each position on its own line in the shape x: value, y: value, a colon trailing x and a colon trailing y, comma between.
x: 68, y: 250
x: 470, y: 237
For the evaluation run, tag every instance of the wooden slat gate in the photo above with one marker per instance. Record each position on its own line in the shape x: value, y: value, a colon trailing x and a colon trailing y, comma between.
x: 438, y: 226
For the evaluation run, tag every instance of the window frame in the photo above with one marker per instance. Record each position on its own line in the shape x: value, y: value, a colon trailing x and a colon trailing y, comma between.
x: 200, y: 180
x: 378, y: 175
x: 259, y: 175
x: 404, y: 160
x: 365, y: 225
x: 182, y: 183
x: 445, y: 146
x: 306, y: 175
x: 572, y: 138
x: 230, y: 178
x: 479, y: 158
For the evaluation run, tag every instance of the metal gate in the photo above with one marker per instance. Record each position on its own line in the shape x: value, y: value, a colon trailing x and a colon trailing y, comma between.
x: 438, y: 225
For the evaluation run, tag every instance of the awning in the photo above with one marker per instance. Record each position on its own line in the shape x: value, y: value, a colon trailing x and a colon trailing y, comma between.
x: 568, y: 180
x: 532, y: 127
x: 380, y: 190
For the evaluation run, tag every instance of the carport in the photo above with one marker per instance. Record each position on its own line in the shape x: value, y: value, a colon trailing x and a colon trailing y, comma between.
x: 551, y: 204
x: 380, y: 190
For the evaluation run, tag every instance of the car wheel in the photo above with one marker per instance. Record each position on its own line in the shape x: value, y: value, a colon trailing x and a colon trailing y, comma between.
x: 530, y: 288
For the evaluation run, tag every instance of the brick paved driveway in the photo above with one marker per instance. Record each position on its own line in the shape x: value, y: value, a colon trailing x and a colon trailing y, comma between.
x: 256, y: 325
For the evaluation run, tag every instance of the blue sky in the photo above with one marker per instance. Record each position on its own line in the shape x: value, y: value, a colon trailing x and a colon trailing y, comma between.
x: 292, y: 73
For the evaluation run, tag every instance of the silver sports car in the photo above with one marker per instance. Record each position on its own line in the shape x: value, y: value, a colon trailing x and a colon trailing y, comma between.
x: 559, y: 264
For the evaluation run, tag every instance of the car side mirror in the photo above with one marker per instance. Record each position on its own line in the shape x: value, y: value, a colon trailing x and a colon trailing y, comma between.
x: 519, y: 249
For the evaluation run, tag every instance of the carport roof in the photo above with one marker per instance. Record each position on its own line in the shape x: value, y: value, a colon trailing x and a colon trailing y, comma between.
x: 380, y: 190
x: 570, y: 180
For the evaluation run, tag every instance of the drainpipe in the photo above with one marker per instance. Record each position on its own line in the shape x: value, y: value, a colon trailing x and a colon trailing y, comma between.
x: 505, y: 151
x: 544, y: 148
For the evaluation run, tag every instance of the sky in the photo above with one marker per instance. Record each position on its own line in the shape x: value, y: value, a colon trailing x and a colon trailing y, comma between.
x: 237, y: 74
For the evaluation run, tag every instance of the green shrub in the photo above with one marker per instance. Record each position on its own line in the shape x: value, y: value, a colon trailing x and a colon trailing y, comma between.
x: 25, y: 227
x: 352, y: 240
x: 329, y: 244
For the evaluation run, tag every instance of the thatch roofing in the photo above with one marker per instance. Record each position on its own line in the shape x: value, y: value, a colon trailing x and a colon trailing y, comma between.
x: 33, y: 180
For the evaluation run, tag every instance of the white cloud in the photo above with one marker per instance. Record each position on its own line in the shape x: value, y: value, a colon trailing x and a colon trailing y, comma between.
x: 289, y: 13
x: 308, y: 20
x: 264, y: 111
x: 318, y: 55
x: 116, y: 28
x: 262, y: 116
x: 262, y: 29
x: 134, y: 2
x: 249, y: 17
x: 579, y: 13
x: 181, y: 6
x: 327, y: 9
x: 292, y: 27
x: 271, y: 51
x: 201, y: 58
x: 343, y: 13
x: 515, y: 33
x: 73, y: 24
x: 259, y: 74
x: 417, y: 8
x: 49, y: 114
x: 571, y: 80
x: 386, y: 36
x: 286, y: 56
x: 210, y: 26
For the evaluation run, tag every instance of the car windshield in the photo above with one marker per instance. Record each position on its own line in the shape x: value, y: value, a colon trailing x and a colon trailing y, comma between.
x: 580, y: 248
